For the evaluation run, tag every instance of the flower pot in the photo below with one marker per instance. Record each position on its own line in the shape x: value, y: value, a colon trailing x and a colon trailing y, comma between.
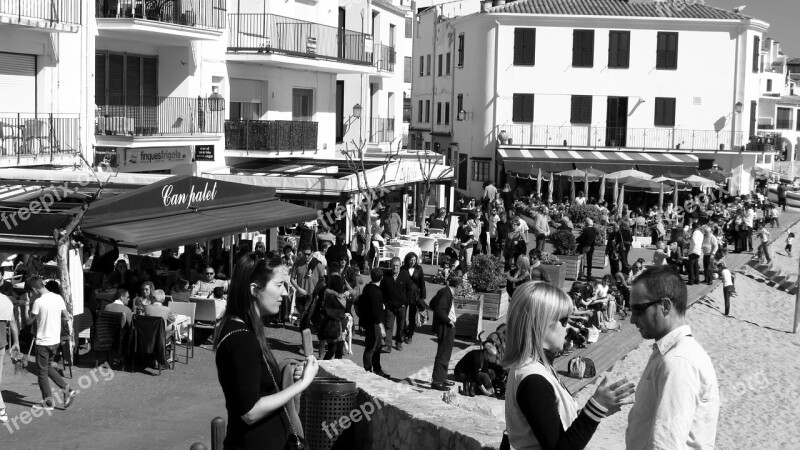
x: 572, y: 265
x: 599, y: 258
x: 556, y: 274
x: 469, y: 316
x: 495, y: 304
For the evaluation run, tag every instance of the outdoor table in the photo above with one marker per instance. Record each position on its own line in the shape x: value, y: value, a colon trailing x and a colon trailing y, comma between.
x: 401, y: 251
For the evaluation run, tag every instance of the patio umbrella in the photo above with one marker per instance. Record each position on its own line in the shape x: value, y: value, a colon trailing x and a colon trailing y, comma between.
x: 674, y: 181
x: 716, y: 174
x: 628, y: 175
x: 539, y: 182
x: 645, y: 186
x: 615, y: 193
x: 661, y: 198
x: 603, y: 188
x: 571, y: 189
x: 675, y: 195
x: 699, y: 182
x: 621, y: 199
x: 586, y: 184
x: 597, y: 172
x: 550, y: 189
x: 578, y: 173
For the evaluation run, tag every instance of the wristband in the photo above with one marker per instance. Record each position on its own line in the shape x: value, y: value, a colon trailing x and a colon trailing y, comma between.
x: 594, y: 410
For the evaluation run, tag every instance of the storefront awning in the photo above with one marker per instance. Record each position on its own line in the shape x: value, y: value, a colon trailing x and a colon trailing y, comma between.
x: 185, y: 209
x: 33, y: 235
x: 557, y: 160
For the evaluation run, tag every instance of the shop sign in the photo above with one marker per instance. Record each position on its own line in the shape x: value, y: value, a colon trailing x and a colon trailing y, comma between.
x: 204, y: 153
x: 195, y: 195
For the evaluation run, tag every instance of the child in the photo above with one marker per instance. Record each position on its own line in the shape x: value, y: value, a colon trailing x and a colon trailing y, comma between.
x: 773, y: 217
x: 444, y: 273
x: 789, y: 241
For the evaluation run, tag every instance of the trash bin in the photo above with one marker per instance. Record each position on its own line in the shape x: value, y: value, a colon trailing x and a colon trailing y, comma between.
x: 322, y: 405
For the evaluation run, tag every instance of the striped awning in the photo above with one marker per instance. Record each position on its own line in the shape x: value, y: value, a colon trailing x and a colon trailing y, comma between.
x: 517, y: 160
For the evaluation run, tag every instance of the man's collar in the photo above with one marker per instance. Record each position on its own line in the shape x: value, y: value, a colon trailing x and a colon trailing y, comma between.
x: 670, y: 339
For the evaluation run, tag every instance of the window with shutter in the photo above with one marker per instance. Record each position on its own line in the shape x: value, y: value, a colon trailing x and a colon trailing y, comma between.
x: 100, y: 79
x: 756, y: 53
x: 459, y: 102
x: 447, y: 113
x: 407, y: 69
x: 582, y: 48
x: 427, y: 111
x: 428, y: 60
x: 667, y: 51
x: 421, y: 66
x: 581, y: 109
x: 665, y: 112
x: 619, y: 49
x: 462, y: 170
x: 522, y: 108
x: 441, y: 63
x: 461, y: 50
x: 524, y: 46
x: 419, y: 112
x: 447, y: 64
x: 438, y: 113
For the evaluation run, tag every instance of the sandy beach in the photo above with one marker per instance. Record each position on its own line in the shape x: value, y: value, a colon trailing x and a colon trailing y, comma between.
x: 755, y: 356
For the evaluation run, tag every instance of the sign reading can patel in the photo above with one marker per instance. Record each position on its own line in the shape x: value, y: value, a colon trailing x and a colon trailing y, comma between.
x: 171, y: 198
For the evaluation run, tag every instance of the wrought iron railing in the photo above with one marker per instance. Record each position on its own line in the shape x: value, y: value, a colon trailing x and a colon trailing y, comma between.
x: 154, y: 116
x: 381, y: 130
x: 53, y: 11
x: 634, y: 138
x: 208, y: 14
x: 39, y: 134
x: 269, y: 33
x: 385, y: 57
x: 270, y: 135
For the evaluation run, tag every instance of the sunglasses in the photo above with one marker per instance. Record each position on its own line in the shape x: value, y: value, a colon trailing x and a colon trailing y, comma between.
x: 564, y: 321
x: 640, y: 308
x: 209, y: 273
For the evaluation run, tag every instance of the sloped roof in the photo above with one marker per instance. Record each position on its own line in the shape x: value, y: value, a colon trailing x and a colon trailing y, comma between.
x: 794, y: 61
x: 790, y: 100
x: 618, y: 8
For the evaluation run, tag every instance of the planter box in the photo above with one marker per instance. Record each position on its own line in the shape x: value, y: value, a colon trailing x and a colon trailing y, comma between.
x: 599, y: 258
x: 556, y: 274
x: 469, y: 317
x: 495, y: 305
x: 572, y: 266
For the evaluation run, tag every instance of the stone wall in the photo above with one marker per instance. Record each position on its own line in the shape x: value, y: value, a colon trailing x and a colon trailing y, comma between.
x: 411, y: 417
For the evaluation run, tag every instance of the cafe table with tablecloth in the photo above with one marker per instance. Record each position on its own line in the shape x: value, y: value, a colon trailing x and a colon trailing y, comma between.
x: 402, y: 248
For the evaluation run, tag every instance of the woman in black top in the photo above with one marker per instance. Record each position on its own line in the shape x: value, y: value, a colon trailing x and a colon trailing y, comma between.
x: 417, y: 303
x: 255, y: 402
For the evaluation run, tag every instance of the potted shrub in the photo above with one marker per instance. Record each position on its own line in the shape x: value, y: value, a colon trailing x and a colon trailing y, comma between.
x: 486, y: 276
x: 554, y: 267
x: 565, y: 247
x: 579, y: 213
x: 600, y: 259
x: 469, y: 311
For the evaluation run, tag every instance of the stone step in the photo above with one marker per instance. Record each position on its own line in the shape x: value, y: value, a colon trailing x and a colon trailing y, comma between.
x: 779, y: 280
x: 771, y: 273
x: 793, y: 290
x: 788, y: 285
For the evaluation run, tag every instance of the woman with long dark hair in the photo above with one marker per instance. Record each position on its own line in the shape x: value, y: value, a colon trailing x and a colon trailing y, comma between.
x: 246, y: 367
x: 417, y: 303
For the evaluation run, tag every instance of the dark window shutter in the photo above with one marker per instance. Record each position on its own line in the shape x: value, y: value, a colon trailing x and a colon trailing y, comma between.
x: 100, y: 79
x: 672, y: 51
x: 133, y: 80
x: 462, y: 171
x: 583, y: 48
x: 581, y: 109
x: 524, y: 46
x: 756, y: 52
x: 613, y: 49
x: 575, y: 109
x: 519, y: 41
x: 530, y: 46
x: 516, y: 115
x: 661, y: 51
x: 527, y: 113
x: 150, y: 77
x: 671, y: 112
x: 116, y: 79
x: 665, y: 112
x: 667, y: 51
x: 659, y: 118
x: 623, y: 49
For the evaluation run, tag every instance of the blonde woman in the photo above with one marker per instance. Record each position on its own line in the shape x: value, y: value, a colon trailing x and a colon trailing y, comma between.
x: 540, y: 411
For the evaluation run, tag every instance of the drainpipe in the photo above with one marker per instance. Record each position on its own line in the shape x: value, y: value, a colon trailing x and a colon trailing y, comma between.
x: 433, y: 70
x: 496, y: 96
x: 736, y: 84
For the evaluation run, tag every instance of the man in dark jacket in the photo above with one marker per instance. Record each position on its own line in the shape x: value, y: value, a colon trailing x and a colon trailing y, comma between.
x: 586, y: 244
x: 370, y: 312
x: 444, y: 322
x: 396, y: 288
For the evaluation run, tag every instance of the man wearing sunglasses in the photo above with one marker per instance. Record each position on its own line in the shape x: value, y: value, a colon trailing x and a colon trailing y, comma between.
x: 677, y: 399
x: 205, y: 286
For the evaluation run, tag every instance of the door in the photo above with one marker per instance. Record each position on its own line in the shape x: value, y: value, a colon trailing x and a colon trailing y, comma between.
x: 341, y: 34
x: 616, y: 121
x: 302, y: 104
x: 339, y: 111
x: 753, y: 110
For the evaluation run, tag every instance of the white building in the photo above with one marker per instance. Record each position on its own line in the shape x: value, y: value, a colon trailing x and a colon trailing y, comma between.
x: 44, y: 119
x: 609, y: 84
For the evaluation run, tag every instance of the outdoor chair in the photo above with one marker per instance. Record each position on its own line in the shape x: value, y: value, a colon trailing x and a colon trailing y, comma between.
x: 205, y: 315
x: 413, y: 229
x: 381, y: 254
x: 187, y: 309
x: 82, y: 326
x: 432, y: 231
x: 149, y: 337
x: 107, y: 334
x: 426, y: 245
x: 442, y: 245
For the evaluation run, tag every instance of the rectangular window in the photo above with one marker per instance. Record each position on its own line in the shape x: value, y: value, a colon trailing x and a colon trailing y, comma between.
x: 461, y: 50
x: 667, y: 51
x: 480, y: 170
x: 407, y: 69
x: 447, y: 64
x: 419, y: 113
x: 583, y: 48
x: 798, y: 121
x: 428, y: 69
x: 447, y: 113
x: 784, y: 121
x: 665, y: 112
x: 523, y: 108
x: 427, y: 145
x: 524, y: 46
x: 409, y: 28
x: 769, y: 85
x: 302, y: 104
x: 125, y: 80
x: 756, y: 52
x: 438, y: 113
x: 619, y: 44
x: 421, y: 66
x: 427, y: 111
x: 459, y: 103
x: 406, y: 110
x: 461, y: 172
x: 581, y: 109
x: 441, y: 63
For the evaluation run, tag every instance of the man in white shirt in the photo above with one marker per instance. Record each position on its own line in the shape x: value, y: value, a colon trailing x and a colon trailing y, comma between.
x: 695, y: 252
x: 677, y: 398
x: 749, y: 219
x: 47, y: 311
x: 205, y: 288
x: 6, y: 320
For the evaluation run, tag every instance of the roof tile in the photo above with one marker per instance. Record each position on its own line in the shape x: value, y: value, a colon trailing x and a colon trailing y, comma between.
x: 679, y: 9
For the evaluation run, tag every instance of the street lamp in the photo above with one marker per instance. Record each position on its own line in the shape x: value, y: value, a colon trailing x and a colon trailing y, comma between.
x: 357, y: 111
x: 462, y: 115
x: 738, y: 107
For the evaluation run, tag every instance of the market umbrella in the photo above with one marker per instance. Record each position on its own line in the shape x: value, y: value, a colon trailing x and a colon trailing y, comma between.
x: 579, y: 174
x: 539, y: 182
x: 621, y: 199
x: 650, y: 186
x: 716, y: 174
x: 673, y: 181
x: 550, y: 189
x: 603, y: 188
x: 661, y: 198
x: 571, y: 189
x: 586, y: 185
x: 675, y: 195
x: 628, y: 175
x: 616, y: 192
x: 699, y: 182
x: 597, y: 172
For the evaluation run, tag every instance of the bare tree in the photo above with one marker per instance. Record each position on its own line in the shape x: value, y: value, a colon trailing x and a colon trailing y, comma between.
x: 427, y: 165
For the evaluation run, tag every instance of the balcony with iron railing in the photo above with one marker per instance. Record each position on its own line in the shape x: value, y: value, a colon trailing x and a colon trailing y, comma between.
x: 266, y: 35
x: 191, y: 19
x: 611, y: 137
x: 385, y: 57
x: 381, y: 130
x: 47, y: 15
x: 121, y: 115
x: 270, y: 135
x: 38, y: 136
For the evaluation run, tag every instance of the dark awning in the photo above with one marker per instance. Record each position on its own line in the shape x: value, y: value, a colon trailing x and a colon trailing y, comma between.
x: 185, y: 209
x: 668, y: 170
x: 33, y: 235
